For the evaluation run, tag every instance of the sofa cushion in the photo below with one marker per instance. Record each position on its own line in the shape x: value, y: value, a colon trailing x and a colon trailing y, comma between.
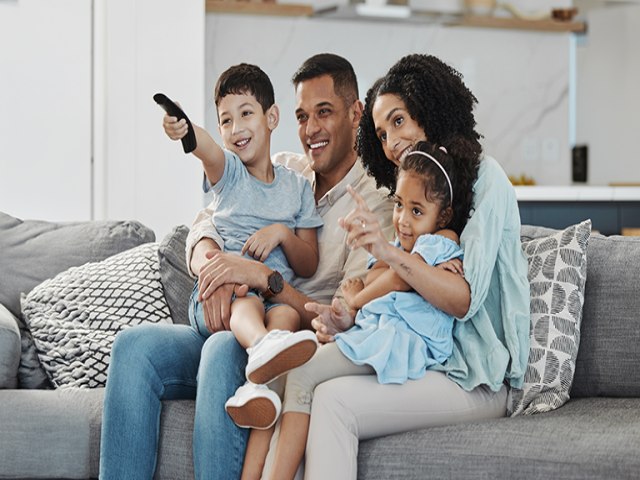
x: 591, y: 438
x: 75, y: 316
x: 9, y: 349
x: 176, y: 281
x: 557, y: 274
x: 609, y: 355
x: 50, y: 433
x: 32, y: 251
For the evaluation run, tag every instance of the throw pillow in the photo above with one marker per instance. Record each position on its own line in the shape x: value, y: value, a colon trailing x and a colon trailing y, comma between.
x: 32, y: 251
x: 75, y: 316
x: 557, y: 275
x: 9, y: 349
x: 176, y: 281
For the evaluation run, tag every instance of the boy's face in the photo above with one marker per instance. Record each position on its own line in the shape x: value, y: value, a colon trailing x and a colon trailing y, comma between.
x: 326, y: 126
x: 245, y: 129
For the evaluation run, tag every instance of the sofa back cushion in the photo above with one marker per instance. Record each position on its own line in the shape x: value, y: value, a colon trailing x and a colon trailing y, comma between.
x: 609, y: 351
x: 32, y: 251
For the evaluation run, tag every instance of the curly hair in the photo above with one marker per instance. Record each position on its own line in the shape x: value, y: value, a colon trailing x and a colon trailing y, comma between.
x: 436, y: 186
x: 438, y: 100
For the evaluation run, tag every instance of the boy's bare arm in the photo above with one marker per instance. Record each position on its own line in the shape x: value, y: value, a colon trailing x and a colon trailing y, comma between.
x: 300, y: 248
x: 207, y: 150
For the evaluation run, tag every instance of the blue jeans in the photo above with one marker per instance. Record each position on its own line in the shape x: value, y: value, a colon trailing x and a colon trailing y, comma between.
x: 155, y: 362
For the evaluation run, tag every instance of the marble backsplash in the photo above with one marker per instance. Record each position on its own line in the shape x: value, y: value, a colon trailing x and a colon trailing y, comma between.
x: 522, y: 79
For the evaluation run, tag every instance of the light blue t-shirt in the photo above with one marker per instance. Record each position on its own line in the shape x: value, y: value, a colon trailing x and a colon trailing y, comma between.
x: 242, y: 205
x: 491, y: 343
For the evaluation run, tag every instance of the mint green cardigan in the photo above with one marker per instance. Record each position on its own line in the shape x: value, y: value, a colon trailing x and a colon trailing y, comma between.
x: 491, y: 343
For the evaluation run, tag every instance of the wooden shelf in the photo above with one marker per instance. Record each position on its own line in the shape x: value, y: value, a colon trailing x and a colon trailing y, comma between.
x: 547, y: 25
x: 258, y: 8
x: 348, y: 12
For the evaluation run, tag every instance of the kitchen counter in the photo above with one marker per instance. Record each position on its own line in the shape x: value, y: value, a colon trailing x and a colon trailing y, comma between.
x: 610, y: 209
x: 577, y: 193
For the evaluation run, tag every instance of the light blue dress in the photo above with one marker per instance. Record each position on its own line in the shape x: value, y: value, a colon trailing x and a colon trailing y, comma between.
x: 400, y: 334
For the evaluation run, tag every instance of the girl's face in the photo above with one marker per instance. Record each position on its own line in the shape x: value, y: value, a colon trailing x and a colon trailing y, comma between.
x: 413, y: 214
x: 395, y: 128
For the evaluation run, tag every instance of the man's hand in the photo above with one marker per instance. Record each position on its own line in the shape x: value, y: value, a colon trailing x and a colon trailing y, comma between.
x: 216, y: 306
x: 260, y: 244
x: 331, y: 319
x: 223, y: 268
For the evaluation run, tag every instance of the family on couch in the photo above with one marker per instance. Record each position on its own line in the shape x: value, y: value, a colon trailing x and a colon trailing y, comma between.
x: 420, y: 99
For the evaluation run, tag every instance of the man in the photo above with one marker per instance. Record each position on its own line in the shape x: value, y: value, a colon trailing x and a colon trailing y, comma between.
x: 151, y: 363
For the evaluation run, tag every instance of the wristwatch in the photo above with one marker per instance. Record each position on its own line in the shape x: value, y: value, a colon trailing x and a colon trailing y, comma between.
x: 275, y: 285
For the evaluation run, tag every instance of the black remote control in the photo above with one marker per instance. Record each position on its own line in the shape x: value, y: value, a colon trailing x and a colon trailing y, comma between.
x: 189, y: 140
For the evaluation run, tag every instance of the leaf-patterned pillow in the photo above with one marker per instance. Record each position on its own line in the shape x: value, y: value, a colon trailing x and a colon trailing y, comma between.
x: 557, y: 275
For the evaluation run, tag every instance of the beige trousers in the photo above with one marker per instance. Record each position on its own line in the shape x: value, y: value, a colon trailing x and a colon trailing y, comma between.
x: 352, y: 408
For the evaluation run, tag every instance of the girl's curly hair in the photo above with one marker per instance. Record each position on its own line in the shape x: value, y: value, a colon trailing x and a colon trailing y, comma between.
x: 436, y: 186
x: 439, y: 101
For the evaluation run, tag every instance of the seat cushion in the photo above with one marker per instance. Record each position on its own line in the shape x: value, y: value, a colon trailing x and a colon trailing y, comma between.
x: 590, y: 438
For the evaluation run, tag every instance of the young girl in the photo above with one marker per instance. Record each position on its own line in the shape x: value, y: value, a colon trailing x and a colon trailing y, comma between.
x: 398, y: 335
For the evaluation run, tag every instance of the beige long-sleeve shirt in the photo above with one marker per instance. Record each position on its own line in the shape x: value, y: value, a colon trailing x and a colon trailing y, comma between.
x: 337, y: 261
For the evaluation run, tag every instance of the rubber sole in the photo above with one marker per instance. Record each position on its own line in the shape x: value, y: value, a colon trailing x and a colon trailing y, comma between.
x: 287, y: 360
x: 259, y: 413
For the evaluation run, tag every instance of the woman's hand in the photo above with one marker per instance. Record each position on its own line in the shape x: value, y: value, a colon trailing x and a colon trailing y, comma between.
x: 331, y: 319
x: 364, y: 229
x: 454, y: 265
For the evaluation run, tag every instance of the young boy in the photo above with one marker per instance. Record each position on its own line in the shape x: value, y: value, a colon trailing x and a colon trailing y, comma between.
x: 261, y: 210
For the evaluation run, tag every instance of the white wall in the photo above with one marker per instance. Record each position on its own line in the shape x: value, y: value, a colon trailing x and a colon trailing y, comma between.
x: 144, y: 47
x: 608, y: 118
x: 45, y: 109
x: 77, y: 79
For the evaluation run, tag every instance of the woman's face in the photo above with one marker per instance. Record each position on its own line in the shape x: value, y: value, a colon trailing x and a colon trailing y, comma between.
x: 395, y: 128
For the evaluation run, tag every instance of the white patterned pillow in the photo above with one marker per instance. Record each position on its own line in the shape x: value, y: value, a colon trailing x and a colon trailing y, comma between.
x: 557, y: 276
x: 75, y: 316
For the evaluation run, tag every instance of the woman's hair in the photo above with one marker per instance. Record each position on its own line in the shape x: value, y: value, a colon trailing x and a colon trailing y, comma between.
x: 438, y: 100
x: 436, y: 186
x: 245, y: 79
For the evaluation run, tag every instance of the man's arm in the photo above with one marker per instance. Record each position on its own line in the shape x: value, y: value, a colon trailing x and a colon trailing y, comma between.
x: 225, y: 268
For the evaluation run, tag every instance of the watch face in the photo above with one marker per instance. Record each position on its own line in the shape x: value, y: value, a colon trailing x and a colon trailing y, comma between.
x: 276, y: 282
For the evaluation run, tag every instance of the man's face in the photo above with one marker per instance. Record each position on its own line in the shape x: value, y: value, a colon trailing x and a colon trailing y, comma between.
x: 326, y: 126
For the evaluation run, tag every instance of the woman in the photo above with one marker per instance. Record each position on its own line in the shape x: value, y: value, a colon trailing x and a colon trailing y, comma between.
x: 421, y: 98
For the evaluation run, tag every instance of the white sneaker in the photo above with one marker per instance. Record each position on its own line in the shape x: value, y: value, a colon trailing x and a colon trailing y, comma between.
x: 254, y: 406
x: 278, y: 352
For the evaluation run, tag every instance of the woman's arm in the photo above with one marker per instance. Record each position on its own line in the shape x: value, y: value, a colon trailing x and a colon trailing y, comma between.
x: 380, y: 280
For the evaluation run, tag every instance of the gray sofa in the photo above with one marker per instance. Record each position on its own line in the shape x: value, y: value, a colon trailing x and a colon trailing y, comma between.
x: 48, y: 433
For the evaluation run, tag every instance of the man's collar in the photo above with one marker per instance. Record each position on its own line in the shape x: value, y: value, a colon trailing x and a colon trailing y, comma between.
x: 353, y: 176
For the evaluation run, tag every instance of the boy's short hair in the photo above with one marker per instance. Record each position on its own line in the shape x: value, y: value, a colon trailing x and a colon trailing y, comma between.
x: 345, y: 83
x: 245, y: 79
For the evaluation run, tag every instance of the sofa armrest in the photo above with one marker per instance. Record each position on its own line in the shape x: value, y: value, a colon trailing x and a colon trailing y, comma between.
x: 9, y: 349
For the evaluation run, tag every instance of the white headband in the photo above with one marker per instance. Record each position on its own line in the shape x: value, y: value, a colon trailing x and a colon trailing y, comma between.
x: 420, y: 152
